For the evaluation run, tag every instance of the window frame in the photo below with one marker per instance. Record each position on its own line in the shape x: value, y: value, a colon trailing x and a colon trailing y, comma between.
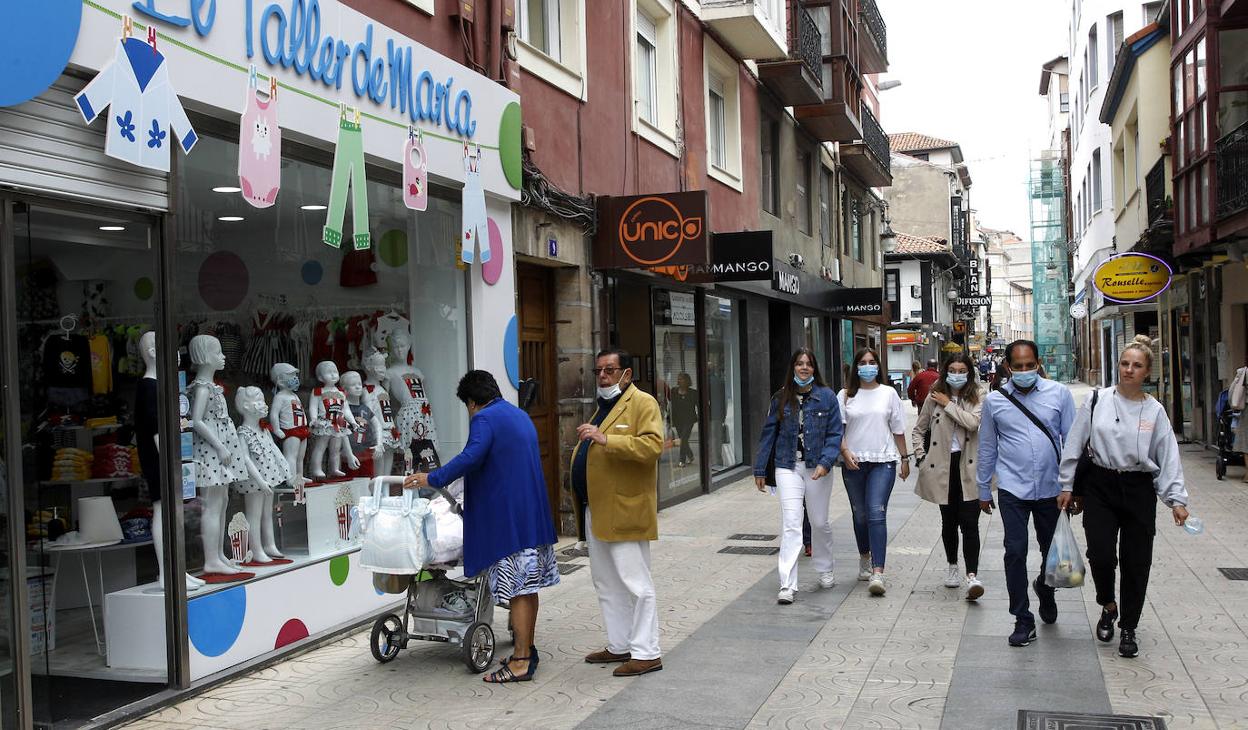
x: 801, y: 180
x: 1098, y: 186
x: 662, y: 131
x: 568, y: 72
x: 718, y: 66
x: 1093, y: 58
x: 769, y: 164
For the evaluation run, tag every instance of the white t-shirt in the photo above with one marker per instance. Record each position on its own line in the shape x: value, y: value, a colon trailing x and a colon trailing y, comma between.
x: 871, y: 419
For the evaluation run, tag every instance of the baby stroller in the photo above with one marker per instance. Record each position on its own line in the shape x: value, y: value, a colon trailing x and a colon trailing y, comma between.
x: 1228, y: 421
x: 437, y: 608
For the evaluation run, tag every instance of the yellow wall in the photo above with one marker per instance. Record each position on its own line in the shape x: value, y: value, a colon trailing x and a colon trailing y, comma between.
x: 1145, y: 104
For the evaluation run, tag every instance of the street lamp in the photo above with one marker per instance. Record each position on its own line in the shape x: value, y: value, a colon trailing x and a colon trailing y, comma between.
x: 888, y: 239
x: 951, y: 295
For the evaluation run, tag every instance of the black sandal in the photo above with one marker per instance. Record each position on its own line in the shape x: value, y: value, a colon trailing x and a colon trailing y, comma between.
x: 504, y: 675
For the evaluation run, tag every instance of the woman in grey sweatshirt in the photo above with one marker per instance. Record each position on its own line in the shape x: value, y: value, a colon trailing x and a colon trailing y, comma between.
x: 1136, y: 462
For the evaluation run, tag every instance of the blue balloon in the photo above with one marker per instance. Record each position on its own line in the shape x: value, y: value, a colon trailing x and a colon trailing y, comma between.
x: 511, y: 352
x: 312, y: 272
x: 214, y: 621
x: 42, y: 37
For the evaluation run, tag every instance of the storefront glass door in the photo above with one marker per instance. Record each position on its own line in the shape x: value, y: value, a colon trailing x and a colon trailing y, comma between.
x: 723, y: 379
x: 676, y: 369
x: 8, y: 619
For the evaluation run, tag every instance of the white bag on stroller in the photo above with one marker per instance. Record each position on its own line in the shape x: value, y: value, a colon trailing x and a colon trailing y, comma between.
x: 394, y: 531
x: 446, y: 540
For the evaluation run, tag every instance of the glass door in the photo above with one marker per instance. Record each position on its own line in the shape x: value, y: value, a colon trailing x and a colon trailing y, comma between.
x: 676, y: 370
x: 9, y: 686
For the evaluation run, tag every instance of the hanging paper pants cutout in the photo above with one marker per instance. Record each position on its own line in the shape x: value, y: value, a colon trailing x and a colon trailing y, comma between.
x: 260, y: 151
x: 348, y: 173
x: 415, y: 174
x: 145, y: 106
x: 474, y: 212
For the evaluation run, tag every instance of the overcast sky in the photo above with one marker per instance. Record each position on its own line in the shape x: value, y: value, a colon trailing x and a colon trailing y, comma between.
x: 970, y: 73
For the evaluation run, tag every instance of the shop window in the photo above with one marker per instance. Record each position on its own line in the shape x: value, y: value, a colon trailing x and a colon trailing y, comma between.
x: 725, y: 399
x: 552, y: 42
x: 676, y: 368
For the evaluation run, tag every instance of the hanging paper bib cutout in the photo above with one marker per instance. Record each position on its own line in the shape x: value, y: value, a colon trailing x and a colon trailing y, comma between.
x: 260, y: 147
x: 415, y: 172
x: 348, y: 174
x: 474, y: 228
x: 144, y: 106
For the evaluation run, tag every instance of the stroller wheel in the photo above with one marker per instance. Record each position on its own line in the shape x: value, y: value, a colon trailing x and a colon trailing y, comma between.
x: 389, y: 636
x: 477, y: 647
x: 1219, y: 467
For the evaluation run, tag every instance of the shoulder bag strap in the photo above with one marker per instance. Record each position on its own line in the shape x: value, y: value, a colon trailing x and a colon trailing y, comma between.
x: 1040, y: 425
x: 1092, y: 420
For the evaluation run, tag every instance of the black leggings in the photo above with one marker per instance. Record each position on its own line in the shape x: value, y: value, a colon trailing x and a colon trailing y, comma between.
x: 1120, y: 521
x: 960, y: 514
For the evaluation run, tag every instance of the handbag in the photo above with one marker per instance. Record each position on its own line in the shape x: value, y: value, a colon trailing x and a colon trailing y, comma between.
x: 1083, y: 470
x: 394, y: 530
x: 769, y: 478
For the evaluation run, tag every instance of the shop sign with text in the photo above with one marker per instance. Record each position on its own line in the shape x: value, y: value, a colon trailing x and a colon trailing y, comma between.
x: 1132, y: 277
x: 862, y: 302
x: 742, y: 256
x: 645, y: 231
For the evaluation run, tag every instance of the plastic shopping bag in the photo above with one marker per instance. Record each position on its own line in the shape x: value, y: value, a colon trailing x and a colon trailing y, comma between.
x: 1064, y: 567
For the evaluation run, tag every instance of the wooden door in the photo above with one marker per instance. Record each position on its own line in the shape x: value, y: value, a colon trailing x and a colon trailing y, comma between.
x: 537, y: 360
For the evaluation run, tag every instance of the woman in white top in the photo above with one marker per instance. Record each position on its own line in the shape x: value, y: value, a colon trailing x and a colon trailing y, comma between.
x: 1135, y: 462
x: 874, y: 441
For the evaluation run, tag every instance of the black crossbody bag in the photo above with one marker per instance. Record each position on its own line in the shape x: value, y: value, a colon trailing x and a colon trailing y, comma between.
x: 1084, y: 470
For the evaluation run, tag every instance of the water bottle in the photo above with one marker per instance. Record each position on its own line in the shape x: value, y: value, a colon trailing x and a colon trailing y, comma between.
x: 1194, y: 525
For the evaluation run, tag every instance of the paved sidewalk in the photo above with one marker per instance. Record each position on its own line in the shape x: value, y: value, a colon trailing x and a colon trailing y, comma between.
x: 919, y: 657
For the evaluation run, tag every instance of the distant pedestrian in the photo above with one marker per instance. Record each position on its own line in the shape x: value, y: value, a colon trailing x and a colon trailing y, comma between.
x: 802, y: 434
x: 944, y: 443
x: 1136, y: 462
x: 1000, y: 377
x: 1021, y: 430
x: 874, y: 442
x: 985, y: 368
x: 614, y: 470
x: 683, y: 411
x: 922, y: 384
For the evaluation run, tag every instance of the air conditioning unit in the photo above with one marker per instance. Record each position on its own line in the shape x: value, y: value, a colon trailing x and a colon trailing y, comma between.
x: 834, y: 270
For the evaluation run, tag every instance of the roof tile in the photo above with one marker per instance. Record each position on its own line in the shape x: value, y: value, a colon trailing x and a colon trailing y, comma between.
x: 916, y: 142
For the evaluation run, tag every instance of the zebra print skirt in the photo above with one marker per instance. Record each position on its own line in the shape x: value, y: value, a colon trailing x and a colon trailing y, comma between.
x: 523, y: 573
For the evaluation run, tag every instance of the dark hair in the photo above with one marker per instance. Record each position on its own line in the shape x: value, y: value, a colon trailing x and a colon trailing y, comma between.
x: 788, y: 391
x: 851, y: 388
x: 970, y: 392
x: 626, y: 360
x: 479, y: 387
x: 1009, y: 349
x: 1000, y: 375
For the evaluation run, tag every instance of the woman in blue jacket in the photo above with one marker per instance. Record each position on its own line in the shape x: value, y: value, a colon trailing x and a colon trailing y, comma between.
x: 803, y: 435
x: 508, y: 530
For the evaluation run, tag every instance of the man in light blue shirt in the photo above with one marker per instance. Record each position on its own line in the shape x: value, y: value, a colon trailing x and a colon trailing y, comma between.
x: 1024, y: 458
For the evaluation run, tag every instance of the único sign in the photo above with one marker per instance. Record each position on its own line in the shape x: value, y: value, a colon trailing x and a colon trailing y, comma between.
x: 636, y: 232
x: 1132, y: 277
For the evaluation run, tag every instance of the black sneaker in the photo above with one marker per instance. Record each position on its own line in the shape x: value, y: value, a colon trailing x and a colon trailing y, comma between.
x: 1127, y: 646
x: 1048, y: 604
x: 1023, y: 634
x: 1105, y: 627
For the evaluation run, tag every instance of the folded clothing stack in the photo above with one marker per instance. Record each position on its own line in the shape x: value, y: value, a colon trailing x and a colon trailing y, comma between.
x: 71, y: 465
x: 112, y: 461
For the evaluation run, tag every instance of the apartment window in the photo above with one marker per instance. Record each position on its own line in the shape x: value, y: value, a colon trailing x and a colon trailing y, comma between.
x: 891, y: 294
x: 1064, y: 102
x: 655, y: 72
x: 715, y: 138
x: 723, y: 115
x: 803, y: 191
x: 1120, y: 175
x: 919, y: 156
x: 825, y: 205
x: 1113, y: 32
x: 855, y: 228
x: 647, y: 69
x: 539, y: 25
x: 1093, y: 55
x: 552, y: 42
x: 769, y: 170
x: 1151, y: 10
x: 1096, y: 181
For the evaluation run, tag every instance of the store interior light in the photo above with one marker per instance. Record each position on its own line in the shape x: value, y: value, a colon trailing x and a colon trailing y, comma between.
x: 230, y: 218
x: 226, y: 189
x: 112, y: 229
x: 313, y: 207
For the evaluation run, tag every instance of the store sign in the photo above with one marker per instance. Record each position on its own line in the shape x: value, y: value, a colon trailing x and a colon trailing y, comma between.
x: 734, y: 257
x: 682, y: 312
x: 903, y: 337
x: 864, y: 302
x: 787, y: 282
x: 974, y: 302
x: 1132, y: 277
x: 644, y: 231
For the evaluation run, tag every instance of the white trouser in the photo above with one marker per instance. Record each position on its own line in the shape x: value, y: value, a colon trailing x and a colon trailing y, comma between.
x: 621, y: 573
x: 794, y: 486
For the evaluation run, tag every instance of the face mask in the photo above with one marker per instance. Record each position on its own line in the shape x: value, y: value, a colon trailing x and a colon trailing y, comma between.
x: 1025, y: 378
x: 955, y: 380
x: 292, y: 382
x: 609, y: 392
x: 868, y: 372
x: 803, y: 383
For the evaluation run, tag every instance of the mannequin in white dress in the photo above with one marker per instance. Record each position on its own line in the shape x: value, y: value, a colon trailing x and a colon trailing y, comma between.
x: 388, y: 435
x: 414, y: 417
x: 332, y: 424
x: 267, y: 467
x: 290, y: 423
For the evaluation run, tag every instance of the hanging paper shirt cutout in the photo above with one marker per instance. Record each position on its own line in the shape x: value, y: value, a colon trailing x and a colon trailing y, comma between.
x: 35, y: 53
x: 415, y: 174
x: 260, y: 150
x: 474, y: 211
x: 492, y: 265
x: 144, y: 106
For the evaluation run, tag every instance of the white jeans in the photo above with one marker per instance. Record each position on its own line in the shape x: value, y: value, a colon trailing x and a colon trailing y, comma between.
x: 794, y: 486
x: 621, y: 573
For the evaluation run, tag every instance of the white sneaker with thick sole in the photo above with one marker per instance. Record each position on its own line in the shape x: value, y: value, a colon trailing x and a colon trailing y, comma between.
x: 974, y: 589
x: 826, y: 580
x: 785, y: 597
x: 876, y: 586
x: 864, y: 567
x: 953, y: 578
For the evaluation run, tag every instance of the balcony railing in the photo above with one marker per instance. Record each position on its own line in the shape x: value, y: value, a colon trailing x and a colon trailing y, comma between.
x: 806, y: 43
x: 875, y: 139
x: 1155, y: 192
x: 874, y: 24
x: 1232, y: 172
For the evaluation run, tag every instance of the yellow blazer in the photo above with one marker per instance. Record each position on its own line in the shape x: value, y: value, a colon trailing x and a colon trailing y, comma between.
x: 621, y: 477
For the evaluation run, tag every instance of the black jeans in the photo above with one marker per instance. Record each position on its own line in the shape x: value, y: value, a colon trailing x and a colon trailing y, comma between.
x: 1120, y: 518
x: 683, y: 430
x: 1014, y: 515
x: 960, y: 514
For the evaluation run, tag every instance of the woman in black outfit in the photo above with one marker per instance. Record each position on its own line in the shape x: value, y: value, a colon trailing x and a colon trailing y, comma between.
x: 684, y: 414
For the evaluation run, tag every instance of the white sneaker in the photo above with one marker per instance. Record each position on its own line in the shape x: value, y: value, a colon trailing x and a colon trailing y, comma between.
x: 785, y: 597
x: 876, y: 586
x: 953, y: 578
x: 864, y: 567
x: 826, y: 580
x: 974, y: 589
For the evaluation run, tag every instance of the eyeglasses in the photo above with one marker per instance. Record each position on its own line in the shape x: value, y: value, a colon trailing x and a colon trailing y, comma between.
x: 608, y: 370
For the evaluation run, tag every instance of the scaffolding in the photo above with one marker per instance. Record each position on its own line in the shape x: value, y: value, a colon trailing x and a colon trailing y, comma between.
x: 1050, y: 266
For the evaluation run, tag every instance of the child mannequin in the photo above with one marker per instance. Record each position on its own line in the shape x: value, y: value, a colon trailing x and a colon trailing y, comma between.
x: 332, y: 424
x: 415, y: 416
x: 388, y: 433
x: 267, y: 468
x: 365, y: 436
x: 290, y: 423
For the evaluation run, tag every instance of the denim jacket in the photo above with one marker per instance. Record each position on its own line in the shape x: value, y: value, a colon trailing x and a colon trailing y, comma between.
x: 821, y: 433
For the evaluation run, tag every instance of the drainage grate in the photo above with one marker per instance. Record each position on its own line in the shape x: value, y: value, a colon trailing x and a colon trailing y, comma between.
x: 565, y: 568
x: 752, y: 536
x: 1235, y: 573
x: 749, y: 550
x: 1036, y: 720
x: 575, y: 552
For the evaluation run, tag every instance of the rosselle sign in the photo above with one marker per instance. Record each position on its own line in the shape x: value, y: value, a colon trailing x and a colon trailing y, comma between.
x: 1132, y: 277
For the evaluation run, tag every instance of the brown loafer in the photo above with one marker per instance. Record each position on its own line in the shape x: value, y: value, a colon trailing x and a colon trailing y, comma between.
x: 606, y: 657
x: 638, y: 667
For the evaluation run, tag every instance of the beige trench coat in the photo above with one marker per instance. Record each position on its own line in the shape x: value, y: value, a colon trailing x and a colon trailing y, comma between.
x: 933, y: 481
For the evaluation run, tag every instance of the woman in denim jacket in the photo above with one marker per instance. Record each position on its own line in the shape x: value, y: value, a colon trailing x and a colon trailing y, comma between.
x: 803, y: 434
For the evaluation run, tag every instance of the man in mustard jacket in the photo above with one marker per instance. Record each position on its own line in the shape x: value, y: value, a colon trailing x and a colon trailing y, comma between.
x: 615, y: 476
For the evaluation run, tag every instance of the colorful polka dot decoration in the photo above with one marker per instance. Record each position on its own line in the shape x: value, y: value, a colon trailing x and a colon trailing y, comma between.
x: 492, y: 270
x: 339, y: 568
x: 511, y: 351
x: 291, y: 631
x: 312, y: 272
x: 214, y: 621
x: 35, y: 52
x: 144, y: 289
x: 509, y: 126
x: 223, y: 281
x: 393, y: 248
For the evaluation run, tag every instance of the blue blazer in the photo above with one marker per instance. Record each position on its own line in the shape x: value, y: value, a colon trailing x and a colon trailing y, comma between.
x: 505, y: 505
x: 821, y: 433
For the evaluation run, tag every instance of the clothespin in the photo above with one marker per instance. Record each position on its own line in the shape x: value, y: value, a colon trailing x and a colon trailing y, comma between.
x: 251, y: 75
x: 411, y: 133
x: 466, y: 155
x: 342, y: 110
x: 127, y: 27
x: 357, y: 115
x: 151, y: 37
x: 272, y: 87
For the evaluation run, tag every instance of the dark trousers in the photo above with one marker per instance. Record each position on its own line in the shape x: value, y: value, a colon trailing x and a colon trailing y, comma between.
x: 1014, y: 515
x: 683, y: 430
x: 960, y: 514
x: 1120, y: 518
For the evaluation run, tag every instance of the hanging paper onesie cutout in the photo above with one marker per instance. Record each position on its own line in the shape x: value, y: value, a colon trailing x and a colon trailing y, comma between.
x: 145, y: 106
x: 415, y: 171
x: 348, y: 173
x: 260, y: 147
x: 474, y: 228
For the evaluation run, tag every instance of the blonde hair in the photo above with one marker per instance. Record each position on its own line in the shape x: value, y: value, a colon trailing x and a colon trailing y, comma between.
x: 1144, y: 344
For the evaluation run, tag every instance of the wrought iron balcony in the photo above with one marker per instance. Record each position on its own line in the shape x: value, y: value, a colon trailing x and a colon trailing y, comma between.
x: 1155, y: 192
x: 1232, y: 172
x: 798, y: 79
x: 875, y: 45
x: 875, y: 139
x: 868, y: 159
